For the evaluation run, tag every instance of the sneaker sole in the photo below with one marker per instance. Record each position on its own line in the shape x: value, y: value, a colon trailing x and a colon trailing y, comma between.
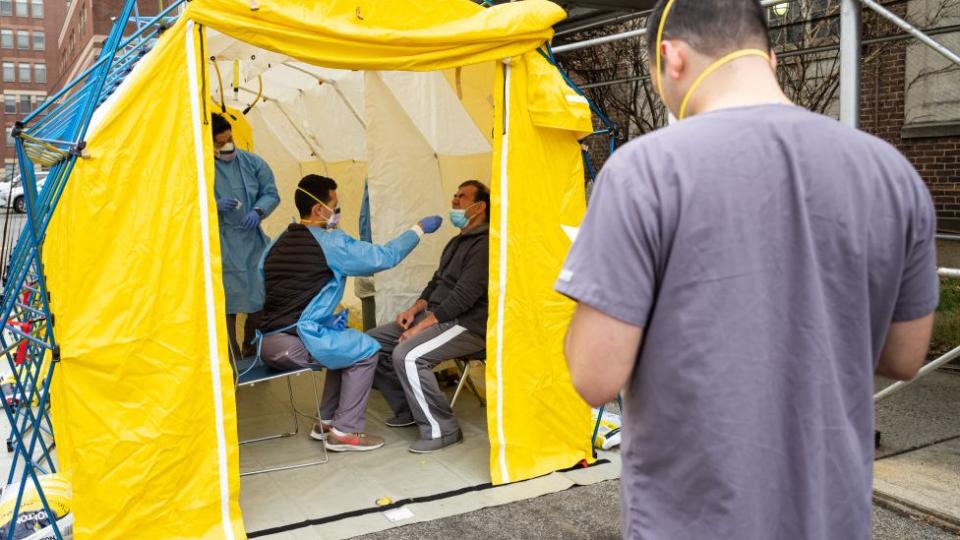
x: 317, y: 437
x: 350, y: 447
x: 412, y: 451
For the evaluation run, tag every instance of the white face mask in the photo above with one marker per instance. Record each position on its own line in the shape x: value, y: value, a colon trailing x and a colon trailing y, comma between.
x: 227, y: 152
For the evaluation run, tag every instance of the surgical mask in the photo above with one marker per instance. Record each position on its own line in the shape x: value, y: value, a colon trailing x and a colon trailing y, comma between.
x: 458, y: 216
x: 227, y: 152
x: 333, y: 221
x: 706, y: 73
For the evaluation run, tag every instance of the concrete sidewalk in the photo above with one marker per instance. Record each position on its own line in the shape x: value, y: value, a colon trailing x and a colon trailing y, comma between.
x: 918, y: 462
x: 917, y: 473
x: 592, y: 513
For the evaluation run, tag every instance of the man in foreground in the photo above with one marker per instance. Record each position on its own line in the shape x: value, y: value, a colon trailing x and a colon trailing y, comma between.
x: 742, y: 275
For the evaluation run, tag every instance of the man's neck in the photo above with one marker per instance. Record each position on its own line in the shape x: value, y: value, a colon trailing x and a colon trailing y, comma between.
x: 746, y: 82
x: 474, y: 223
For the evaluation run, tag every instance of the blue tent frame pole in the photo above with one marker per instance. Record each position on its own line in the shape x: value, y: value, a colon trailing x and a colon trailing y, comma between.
x: 53, y: 136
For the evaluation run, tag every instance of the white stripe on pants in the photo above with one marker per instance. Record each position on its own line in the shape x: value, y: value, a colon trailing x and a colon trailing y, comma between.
x: 413, y: 375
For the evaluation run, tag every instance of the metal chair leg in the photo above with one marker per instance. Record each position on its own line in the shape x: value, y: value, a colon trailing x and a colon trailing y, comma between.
x: 296, y: 424
x: 465, y: 380
x: 325, y: 457
x: 473, y: 388
x: 464, y: 377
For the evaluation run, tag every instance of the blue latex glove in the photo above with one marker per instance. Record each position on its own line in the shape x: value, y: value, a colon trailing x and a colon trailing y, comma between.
x: 226, y: 204
x: 250, y: 220
x: 430, y: 224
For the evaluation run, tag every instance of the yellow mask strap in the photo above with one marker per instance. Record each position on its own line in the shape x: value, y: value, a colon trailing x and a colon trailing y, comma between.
x: 663, y: 24
x: 713, y: 67
x: 312, y: 196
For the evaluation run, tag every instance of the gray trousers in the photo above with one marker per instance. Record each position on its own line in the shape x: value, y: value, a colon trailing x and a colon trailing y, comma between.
x: 405, y: 372
x: 345, y: 391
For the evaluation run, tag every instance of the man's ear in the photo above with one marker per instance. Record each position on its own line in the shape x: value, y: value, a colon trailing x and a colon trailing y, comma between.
x: 675, y: 61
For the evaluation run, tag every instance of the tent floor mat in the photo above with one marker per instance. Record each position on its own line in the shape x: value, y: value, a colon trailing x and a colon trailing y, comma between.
x: 339, y: 499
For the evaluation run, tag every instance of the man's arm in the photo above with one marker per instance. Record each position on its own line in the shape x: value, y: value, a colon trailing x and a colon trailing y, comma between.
x: 601, y: 353
x: 352, y: 257
x: 905, y: 348
x: 268, y: 198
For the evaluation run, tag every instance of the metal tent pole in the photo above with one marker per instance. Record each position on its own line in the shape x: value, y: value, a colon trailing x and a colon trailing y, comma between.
x: 624, y: 35
x: 912, y: 30
x: 850, y: 27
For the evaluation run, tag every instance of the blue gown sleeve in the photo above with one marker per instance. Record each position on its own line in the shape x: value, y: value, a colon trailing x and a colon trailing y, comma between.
x: 352, y: 257
x: 268, y: 198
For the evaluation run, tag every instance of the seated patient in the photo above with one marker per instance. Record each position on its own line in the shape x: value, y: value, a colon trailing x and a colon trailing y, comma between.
x: 304, y: 278
x: 448, y: 321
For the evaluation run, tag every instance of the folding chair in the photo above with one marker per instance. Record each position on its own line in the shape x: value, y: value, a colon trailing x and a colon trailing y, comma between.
x: 251, y: 371
x: 463, y: 366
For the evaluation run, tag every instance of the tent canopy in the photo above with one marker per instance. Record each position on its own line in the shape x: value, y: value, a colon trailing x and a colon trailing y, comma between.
x: 144, y: 405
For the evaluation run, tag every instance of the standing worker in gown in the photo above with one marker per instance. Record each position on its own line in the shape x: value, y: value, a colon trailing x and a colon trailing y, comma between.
x: 246, y: 194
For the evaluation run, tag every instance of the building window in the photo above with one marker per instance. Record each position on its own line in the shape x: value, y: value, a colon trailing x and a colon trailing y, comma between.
x: 23, y: 39
x: 9, y: 72
x: 39, y: 40
x: 23, y: 9
x: 40, y: 73
x: 6, y: 38
x: 25, y: 106
x: 37, y: 9
x: 6, y: 8
x: 10, y: 104
x: 9, y: 136
x: 25, y: 73
x: 931, y: 81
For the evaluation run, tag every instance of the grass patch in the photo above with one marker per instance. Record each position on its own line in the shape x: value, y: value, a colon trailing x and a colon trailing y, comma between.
x: 946, y: 328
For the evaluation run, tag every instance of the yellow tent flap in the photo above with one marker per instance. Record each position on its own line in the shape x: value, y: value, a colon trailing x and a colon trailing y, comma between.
x: 144, y: 406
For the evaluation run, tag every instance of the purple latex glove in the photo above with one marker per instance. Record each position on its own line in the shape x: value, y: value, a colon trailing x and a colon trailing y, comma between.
x: 250, y: 220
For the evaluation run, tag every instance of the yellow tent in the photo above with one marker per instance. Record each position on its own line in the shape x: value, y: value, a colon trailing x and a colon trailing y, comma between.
x: 144, y: 405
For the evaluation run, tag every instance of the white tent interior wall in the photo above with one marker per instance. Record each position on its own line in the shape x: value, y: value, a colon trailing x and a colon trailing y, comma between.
x: 412, y: 136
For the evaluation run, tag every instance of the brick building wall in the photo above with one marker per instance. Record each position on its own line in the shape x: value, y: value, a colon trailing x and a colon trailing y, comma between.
x: 85, y: 28
x: 934, y: 152
x: 28, y: 48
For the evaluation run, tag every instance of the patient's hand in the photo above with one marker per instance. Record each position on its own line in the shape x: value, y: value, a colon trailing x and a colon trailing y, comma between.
x: 405, y: 319
x: 427, y: 322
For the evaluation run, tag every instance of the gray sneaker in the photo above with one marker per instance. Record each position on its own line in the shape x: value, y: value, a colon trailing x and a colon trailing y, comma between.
x: 428, y: 446
x: 400, y: 420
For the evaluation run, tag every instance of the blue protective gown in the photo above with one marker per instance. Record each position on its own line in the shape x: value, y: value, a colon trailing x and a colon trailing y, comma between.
x: 325, y: 333
x: 249, y: 179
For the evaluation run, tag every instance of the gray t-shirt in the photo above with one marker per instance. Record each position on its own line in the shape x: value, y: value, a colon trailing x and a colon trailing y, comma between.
x: 765, y: 252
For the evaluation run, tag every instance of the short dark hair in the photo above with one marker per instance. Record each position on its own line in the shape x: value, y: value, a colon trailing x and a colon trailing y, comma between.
x: 220, y: 124
x: 482, y: 195
x: 318, y: 186
x: 712, y: 27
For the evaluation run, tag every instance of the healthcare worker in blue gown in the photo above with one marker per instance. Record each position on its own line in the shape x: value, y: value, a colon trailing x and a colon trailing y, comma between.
x: 304, y: 276
x: 246, y: 194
